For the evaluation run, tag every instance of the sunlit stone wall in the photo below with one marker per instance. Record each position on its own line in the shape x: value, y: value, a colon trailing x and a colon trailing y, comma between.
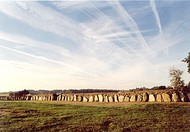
x: 140, y: 96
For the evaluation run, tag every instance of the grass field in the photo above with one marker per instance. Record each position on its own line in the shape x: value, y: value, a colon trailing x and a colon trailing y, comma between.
x: 43, y: 116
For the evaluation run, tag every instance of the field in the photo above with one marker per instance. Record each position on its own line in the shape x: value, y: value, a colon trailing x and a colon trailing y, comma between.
x: 58, y: 116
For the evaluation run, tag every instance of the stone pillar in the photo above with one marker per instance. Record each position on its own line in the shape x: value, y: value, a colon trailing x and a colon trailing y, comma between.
x: 85, y: 99
x: 66, y: 97
x: 71, y: 97
x: 96, y: 98
x: 100, y: 97
x: 145, y: 97
x: 175, y: 97
x: 59, y: 97
x: 152, y: 98
x: 106, y: 98
x: 91, y: 98
x: 40, y: 98
x: 63, y: 97
x: 166, y: 97
x: 127, y: 98
x: 115, y: 98
x: 80, y: 98
x: 75, y: 97
x: 110, y: 98
x: 121, y: 98
x: 139, y: 98
x: 183, y: 97
x: 133, y: 98
x: 159, y: 98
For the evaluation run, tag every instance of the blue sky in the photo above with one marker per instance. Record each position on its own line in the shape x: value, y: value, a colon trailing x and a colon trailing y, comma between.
x: 92, y: 44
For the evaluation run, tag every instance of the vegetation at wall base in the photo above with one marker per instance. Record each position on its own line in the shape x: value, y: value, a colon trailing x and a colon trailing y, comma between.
x: 43, y: 116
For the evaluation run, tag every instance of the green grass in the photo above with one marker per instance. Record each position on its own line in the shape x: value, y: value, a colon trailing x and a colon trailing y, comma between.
x: 31, y: 116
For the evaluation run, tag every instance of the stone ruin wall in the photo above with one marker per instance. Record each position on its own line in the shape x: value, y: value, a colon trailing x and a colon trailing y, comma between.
x: 138, y: 96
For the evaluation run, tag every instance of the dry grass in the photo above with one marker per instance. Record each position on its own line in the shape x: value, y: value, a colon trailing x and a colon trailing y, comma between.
x: 86, y: 116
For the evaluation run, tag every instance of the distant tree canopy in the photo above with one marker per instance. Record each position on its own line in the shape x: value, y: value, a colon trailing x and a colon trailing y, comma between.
x: 188, y: 85
x: 19, y: 93
x: 187, y: 88
x: 159, y: 88
x: 187, y: 60
x: 88, y: 90
x: 176, y: 81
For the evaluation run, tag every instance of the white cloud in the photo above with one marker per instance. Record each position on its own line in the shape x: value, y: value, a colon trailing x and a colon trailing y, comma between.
x: 111, y: 50
x: 43, y: 18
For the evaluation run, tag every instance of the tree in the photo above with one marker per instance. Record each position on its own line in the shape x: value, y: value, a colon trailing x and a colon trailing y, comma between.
x: 176, y: 81
x: 19, y: 93
x: 187, y: 60
x: 188, y: 85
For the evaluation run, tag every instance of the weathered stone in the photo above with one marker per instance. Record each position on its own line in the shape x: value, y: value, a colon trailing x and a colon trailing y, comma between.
x: 58, y: 97
x: 127, y: 98
x: 110, y: 98
x: 28, y: 97
x: 183, y: 97
x: 159, y: 98
x: 145, y: 97
x: 166, y: 97
x: 133, y: 98
x: 106, y: 98
x: 43, y: 97
x: 120, y: 98
x: 63, y: 97
x: 100, y: 97
x: 75, y: 97
x: 139, y: 98
x: 175, y: 97
x: 80, y: 98
x: 85, y: 99
x: 96, y: 98
x: 91, y: 98
x: 40, y: 98
x: 152, y: 98
x: 49, y: 98
x: 115, y: 98
x: 71, y: 98
x: 66, y: 98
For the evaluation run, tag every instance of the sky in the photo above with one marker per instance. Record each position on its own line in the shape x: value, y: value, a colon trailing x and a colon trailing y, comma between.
x: 92, y: 44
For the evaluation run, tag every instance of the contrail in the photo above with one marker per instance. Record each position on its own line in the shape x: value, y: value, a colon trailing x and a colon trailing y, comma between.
x: 131, y: 24
x: 100, y: 13
x: 42, y: 58
x: 153, y: 6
